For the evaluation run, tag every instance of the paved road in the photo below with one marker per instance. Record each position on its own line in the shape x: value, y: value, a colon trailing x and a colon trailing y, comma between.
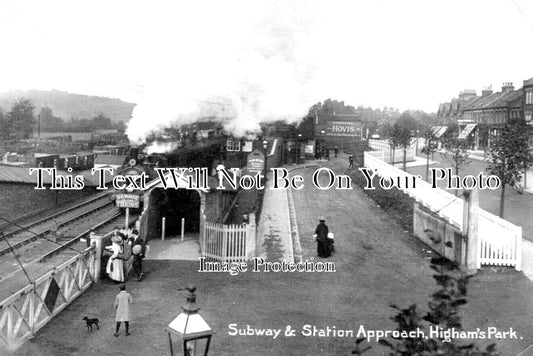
x: 273, y: 231
x: 392, y: 267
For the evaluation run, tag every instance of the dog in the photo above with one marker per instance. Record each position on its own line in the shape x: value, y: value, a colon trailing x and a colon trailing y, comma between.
x: 91, y: 322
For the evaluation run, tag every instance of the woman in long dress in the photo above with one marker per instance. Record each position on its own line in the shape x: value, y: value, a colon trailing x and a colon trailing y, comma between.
x: 321, y: 235
x: 115, y: 265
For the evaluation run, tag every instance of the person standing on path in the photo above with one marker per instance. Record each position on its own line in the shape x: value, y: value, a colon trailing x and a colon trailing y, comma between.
x: 351, y: 161
x: 122, y: 305
x: 321, y: 235
x: 115, y: 265
x: 138, y: 250
x: 117, y: 232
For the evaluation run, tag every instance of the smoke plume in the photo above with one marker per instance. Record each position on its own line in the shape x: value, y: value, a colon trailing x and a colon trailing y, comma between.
x: 244, y: 72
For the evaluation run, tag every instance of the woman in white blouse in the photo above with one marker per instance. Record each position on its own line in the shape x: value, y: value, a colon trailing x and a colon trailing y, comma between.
x: 115, y: 265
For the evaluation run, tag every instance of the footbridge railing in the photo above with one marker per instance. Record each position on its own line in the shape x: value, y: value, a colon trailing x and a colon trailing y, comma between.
x: 499, y: 241
x: 25, y: 312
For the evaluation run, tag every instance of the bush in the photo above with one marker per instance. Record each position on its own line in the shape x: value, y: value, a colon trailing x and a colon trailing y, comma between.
x: 443, y: 314
x: 395, y: 202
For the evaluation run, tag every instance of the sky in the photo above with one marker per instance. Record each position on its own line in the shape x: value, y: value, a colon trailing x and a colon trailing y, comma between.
x: 264, y: 60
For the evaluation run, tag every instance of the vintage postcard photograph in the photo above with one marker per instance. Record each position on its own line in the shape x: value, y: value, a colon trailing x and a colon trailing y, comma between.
x: 277, y: 177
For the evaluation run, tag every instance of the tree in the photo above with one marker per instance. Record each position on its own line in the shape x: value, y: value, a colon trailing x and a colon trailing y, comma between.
x: 394, y: 134
x: 456, y: 152
x: 509, y: 157
x: 443, y: 313
x: 121, y: 127
x: 386, y: 130
x: 405, y: 127
x: 3, y: 126
x: 20, y: 119
x: 431, y: 145
x: 48, y: 121
x: 102, y: 122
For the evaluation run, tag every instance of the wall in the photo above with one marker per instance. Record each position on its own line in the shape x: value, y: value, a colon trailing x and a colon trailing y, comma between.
x: 429, y: 228
x: 217, y: 204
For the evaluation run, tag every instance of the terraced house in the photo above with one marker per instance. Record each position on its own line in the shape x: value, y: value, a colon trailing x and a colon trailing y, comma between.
x: 527, y: 100
x: 480, y: 117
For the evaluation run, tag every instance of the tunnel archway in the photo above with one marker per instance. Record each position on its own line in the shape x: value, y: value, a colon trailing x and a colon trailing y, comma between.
x: 173, y: 205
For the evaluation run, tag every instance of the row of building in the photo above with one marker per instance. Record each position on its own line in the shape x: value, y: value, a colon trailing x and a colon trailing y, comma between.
x: 480, y: 116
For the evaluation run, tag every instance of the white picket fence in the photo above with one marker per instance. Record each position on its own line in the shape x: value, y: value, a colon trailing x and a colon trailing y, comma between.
x: 499, y: 241
x: 228, y: 243
x: 28, y: 310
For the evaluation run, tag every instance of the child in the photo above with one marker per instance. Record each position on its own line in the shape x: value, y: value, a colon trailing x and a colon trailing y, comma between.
x: 122, y: 305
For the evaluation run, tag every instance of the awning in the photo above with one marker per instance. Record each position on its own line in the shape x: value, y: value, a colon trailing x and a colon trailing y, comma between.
x: 441, y: 131
x: 467, y: 131
x: 435, y: 129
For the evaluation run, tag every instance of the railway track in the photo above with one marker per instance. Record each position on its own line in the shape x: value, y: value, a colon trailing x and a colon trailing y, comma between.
x: 35, y: 243
x: 56, y: 255
x: 43, y: 228
x: 34, y: 224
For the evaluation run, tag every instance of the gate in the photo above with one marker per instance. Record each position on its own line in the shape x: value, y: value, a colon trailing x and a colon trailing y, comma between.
x: 228, y: 243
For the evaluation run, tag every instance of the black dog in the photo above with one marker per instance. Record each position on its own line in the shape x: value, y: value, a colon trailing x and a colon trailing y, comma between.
x: 90, y: 323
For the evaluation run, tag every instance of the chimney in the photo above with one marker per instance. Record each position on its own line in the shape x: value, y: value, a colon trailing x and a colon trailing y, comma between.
x: 507, y: 87
x: 486, y: 91
x: 467, y: 94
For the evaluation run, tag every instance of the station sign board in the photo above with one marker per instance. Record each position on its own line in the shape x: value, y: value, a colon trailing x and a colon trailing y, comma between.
x: 127, y: 200
x: 343, y: 128
x: 256, y: 161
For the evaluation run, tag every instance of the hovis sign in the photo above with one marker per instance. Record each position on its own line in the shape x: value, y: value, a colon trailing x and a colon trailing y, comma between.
x: 343, y: 128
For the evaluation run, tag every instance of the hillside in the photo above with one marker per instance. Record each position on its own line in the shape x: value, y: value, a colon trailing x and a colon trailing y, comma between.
x: 66, y: 105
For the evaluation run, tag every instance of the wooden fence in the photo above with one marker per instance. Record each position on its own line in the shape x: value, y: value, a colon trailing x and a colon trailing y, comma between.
x: 28, y: 310
x: 228, y: 243
x: 499, y: 241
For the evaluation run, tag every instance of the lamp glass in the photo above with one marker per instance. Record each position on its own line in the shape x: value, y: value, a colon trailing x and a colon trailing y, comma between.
x: 186, y: 324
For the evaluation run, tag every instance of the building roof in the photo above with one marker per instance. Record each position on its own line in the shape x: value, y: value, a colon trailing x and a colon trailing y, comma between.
x: 116, y: 160
x: 471, y: 103
x: 528, y: 82
x: 505, y: 100
x: 9, y: 174
x: 454, y: 106
x: 483, y: 102
x: 36, y: 155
